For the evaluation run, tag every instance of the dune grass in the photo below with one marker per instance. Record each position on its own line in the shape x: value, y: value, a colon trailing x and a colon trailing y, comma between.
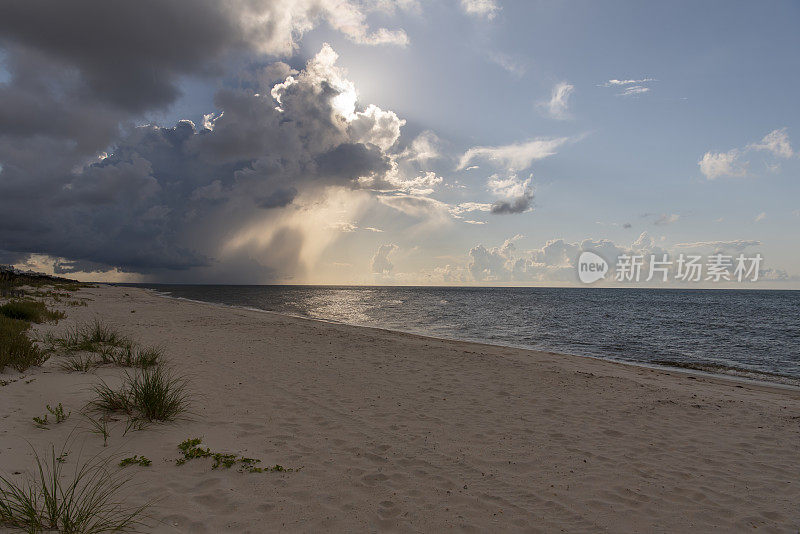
x: 89, y: 337
x: 127, y: 355
x: 153, y: 394
x: 100, y: 427
x: 88, y: 502
x: 30, y: 310
x: 132, y: 355
x: 108, y: 345
x: 17, y: 350
x: 79, y: 363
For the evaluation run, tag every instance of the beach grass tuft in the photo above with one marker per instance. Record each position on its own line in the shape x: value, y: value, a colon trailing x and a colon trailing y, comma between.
x: 89, y: 337
x: 99, y: 427
x: 110, y: 346
x: 153, y: 394
x: 79, y: 362
x: 88, y: 502
x: 131, y: 355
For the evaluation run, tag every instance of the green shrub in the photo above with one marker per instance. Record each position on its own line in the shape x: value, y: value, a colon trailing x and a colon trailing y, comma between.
x: 17, y: 350
x: 30, y: 310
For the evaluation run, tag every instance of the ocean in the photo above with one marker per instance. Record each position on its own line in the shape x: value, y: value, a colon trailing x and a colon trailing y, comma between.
x: 748, y: 333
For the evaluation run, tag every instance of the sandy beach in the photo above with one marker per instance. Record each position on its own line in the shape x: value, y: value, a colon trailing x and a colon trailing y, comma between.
x: 392, y: 432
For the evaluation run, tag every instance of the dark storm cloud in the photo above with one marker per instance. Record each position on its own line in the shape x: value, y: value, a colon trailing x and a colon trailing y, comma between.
x: 352, y: 159
x: 169, y: 198
x: 128, y: 54
x: 278, y: 199
x: 518, y: 204
x: 82, y: 73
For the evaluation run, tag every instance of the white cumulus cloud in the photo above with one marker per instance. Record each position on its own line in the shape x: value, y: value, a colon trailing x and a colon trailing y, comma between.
x: 718, y: 164
x: 480, y: 8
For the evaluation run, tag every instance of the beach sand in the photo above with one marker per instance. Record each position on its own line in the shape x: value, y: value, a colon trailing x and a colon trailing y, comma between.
x: 402, y: 433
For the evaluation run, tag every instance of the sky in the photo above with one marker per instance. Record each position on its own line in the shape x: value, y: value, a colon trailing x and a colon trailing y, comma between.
x: 461, y: 142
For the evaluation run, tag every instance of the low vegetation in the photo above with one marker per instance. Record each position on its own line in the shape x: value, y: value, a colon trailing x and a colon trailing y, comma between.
x: 153, y: 394
x: 96, y: 343
x: 192, y: 450
x: 80, y: 363
x: 135, y: 460
x: 87, y: 502
x: 94, y: 336
x: 100, y: 427
x: 33, y: 311
x: 17, y: 349
x: 16, y: 284
x: 57, y: 413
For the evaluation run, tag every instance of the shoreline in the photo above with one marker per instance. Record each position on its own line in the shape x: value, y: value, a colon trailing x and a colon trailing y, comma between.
x: 778, y: 380
x: 397, y: 432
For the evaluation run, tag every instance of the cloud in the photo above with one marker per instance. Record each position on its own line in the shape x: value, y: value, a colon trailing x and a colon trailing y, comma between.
x: 77, y: 77
x: 718, y: 164
x: 508, y: 63
x: 417, y: 206
x: 517, y: 194
x: 519, y: 204
x: 470, y: 206
x: 134, y: 59
x: 554, y: 262
x: 666, y: 219
x: 760, y: 217
x: 249, y: 195
x: 423, y: 184
x: 630, y: 87
x: 558, y: 105
x: 376, y: 126
x: 343, y: 226
x: 719, y: 246
x: 634, y: 90
x: 380, y: 262
x: 480, y: 8
x: 423, y: 148
x: 615, y: 82
x: 516, y: 156
x: 776, y: 142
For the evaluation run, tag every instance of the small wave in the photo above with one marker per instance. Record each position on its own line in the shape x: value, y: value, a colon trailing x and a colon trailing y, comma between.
x: 731, y: 370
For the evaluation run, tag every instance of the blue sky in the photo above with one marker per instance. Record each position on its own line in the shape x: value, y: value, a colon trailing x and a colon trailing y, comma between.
x: 647, y: 90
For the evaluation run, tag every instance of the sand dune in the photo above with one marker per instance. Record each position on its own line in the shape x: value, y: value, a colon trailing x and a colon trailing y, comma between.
x: 402, y: 433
